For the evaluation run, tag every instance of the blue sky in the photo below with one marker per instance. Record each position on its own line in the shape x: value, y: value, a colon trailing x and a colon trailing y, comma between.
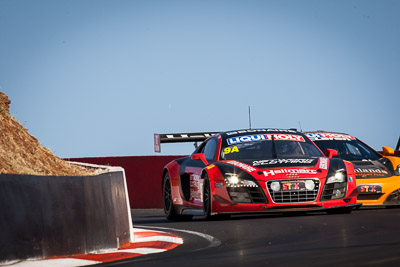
x: 100, y: 77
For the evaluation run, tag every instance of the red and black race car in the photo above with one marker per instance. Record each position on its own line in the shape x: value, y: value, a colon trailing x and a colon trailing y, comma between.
x: 255, y: 170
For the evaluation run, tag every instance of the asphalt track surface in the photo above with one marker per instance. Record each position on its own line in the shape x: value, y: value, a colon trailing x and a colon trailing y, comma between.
x: 366, y: 237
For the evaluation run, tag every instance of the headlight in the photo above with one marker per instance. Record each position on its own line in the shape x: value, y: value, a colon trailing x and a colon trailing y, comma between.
x: 338, y: 177
x: 393, y: 198
x: 397, y: 171
x: 232, y: 180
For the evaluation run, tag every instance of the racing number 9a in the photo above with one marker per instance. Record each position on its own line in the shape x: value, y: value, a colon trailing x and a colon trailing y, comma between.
x: 228, y: 150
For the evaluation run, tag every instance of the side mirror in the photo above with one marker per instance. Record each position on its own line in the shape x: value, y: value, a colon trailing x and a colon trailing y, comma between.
x: 200, y: 156
x: 330, y: 153
x: 387, y: 151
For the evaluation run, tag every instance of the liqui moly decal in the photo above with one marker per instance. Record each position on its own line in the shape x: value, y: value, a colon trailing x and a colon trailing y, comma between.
x: 289, y: 171
x: 261, y: 137
x: 243, y: 166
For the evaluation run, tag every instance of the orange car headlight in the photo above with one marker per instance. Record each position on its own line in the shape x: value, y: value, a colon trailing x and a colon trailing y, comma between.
x: 393, y: 198
x: 397, y: 170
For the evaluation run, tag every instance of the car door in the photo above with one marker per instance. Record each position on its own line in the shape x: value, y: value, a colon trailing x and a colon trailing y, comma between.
x: 191, y: 181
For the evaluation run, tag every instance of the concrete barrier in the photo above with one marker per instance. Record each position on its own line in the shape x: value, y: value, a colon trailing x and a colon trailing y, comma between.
x: 44, y: 216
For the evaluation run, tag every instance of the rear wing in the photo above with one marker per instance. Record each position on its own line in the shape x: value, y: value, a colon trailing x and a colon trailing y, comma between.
x: 179, y: 138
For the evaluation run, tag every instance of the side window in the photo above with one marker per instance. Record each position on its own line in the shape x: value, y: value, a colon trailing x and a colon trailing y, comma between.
x: 210, y: 149
x: 199, y: 149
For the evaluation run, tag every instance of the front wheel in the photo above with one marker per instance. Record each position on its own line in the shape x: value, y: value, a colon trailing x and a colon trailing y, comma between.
x: 207, y: 198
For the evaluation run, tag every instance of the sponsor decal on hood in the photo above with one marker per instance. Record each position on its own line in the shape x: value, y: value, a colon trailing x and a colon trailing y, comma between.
x: 370, y: 173
x: 282, y: 162
x: 241, y: 165
x: 369, y: 170
x: 373, y: 168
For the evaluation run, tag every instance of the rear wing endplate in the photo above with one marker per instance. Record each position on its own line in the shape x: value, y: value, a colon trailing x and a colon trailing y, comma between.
x: 179, y: 138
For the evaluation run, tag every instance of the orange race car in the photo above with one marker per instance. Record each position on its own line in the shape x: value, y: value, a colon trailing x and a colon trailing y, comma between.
x: 377, y: 175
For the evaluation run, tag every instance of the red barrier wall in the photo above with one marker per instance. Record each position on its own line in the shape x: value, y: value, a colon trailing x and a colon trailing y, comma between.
x: 143, y: 177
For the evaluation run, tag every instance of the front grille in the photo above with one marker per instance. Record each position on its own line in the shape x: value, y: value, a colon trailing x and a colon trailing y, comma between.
x: 291, y: 207
x: 293, y: 194
x: 369, y: 196
x: 334, y: 191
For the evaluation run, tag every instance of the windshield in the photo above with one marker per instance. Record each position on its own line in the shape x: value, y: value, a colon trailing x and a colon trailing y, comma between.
x: 254, y: 148
x: 350, y: 150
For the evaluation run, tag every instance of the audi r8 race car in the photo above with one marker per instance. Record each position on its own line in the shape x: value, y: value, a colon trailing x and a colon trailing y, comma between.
x: 255, y: 170
x: 378, y: 176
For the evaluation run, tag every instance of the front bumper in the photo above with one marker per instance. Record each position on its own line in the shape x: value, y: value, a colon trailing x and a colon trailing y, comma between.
x: 304, y: 208
x: 390, y: 195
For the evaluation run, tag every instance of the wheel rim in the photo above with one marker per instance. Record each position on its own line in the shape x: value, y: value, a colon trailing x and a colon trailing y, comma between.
x: 167, y: 195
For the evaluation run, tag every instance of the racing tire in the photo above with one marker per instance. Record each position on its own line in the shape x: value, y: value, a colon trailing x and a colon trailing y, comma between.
x: 169, y: 208
x: 346, y: 210
x: 207, y: 198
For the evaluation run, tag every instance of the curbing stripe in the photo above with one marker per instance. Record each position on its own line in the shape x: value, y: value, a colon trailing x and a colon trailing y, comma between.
x: 146, y: 242
x: 107, y: 257
x: 144, y: 251
x: 160, y: 238
x: 55, y: 262
x: 152, y: 244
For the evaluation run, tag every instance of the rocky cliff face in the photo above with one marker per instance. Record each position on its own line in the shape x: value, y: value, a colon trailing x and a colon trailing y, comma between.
x: 21, y: 153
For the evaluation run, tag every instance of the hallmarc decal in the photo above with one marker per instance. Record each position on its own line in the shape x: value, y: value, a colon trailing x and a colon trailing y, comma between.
x: 289, y: 171
x: 261, y: 137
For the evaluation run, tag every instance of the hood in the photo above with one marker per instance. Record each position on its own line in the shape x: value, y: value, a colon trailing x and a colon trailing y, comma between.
x: 381, y: 168
x: 277, y: 168
x: 281, y: 163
